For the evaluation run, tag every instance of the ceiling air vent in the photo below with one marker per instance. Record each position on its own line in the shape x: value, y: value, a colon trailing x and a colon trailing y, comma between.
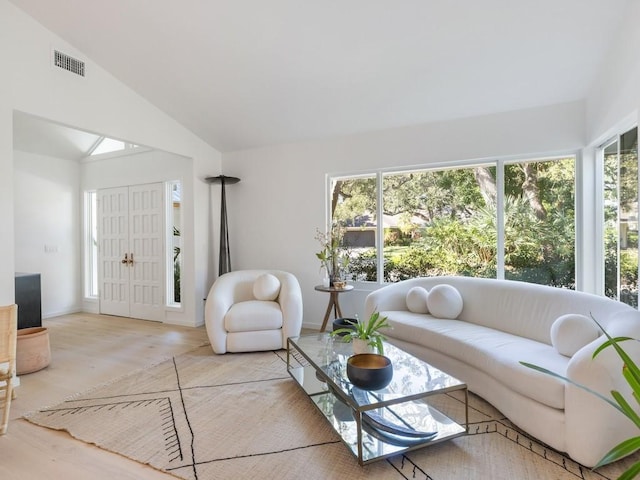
x: 66, y: 62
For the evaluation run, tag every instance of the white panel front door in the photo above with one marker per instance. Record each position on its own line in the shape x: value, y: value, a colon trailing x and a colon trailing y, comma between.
x: 113, y: 243
x: 131, y: 254
x: 146, y: 236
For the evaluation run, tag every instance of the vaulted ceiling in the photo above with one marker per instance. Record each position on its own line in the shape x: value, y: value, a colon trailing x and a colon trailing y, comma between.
x: 248, y: 73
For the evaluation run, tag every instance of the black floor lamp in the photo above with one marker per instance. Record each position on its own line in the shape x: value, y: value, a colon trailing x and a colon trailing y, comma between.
x: 224, y: 263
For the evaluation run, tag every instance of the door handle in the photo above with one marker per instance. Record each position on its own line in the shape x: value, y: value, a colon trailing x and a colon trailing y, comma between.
x: 131, y: 259
x: 125, y: 260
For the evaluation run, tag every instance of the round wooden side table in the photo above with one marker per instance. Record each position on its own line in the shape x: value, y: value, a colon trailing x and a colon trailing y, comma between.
x: 333, y: 302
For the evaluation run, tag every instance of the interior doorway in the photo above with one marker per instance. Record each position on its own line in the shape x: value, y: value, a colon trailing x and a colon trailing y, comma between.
x: 56, y: 228
x: 131, y: 258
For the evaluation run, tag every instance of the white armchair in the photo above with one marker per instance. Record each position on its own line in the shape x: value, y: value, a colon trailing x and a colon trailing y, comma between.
x: 253, y: 310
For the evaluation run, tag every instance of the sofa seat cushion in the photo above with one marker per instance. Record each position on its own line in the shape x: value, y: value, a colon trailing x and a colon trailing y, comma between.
x: 253, y: 315
x: 496, y: 353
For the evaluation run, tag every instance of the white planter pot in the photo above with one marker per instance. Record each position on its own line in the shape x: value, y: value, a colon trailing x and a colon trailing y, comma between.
x: 362, y: 346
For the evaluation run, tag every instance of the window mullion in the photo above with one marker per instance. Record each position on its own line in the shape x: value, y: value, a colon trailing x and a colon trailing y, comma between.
x: 380, y: 229
x: 500, y: 219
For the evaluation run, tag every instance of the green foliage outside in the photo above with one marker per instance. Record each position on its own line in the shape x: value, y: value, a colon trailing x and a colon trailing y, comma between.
x: 447, y: 222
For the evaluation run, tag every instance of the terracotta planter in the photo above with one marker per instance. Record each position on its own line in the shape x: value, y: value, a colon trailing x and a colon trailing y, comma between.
x: 33, y: 352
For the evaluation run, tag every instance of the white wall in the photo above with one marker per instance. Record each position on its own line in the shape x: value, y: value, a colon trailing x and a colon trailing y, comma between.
x: 47, y: 228
x: 281, y: 200
x: 612, y: 108
x: 614, y: 98
x: 149, y: 166
x: 97, y: 103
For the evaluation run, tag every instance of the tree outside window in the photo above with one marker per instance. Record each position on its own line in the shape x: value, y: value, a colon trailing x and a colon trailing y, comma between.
x: 445, y: 222
x: 354, y: 207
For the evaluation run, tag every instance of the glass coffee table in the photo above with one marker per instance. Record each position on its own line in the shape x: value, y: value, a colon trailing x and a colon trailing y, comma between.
x: 375, y: 424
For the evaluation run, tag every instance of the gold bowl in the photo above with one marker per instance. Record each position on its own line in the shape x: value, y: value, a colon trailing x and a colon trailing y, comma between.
x: 369, y: 371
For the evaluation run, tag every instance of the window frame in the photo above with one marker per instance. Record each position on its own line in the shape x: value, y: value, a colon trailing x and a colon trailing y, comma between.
x: 170, y: 301
x: 499, y: 163
x: 600, y: 230
x: 90, y: 285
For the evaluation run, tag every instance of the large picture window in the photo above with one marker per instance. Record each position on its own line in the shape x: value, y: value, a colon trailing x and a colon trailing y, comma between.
x: 512, y: 220
x: 440, y: 222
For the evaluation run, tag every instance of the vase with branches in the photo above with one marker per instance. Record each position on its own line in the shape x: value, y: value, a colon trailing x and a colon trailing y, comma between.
x: 333, y: 255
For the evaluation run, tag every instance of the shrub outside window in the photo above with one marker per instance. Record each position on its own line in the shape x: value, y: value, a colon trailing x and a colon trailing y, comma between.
x: 511, y: 220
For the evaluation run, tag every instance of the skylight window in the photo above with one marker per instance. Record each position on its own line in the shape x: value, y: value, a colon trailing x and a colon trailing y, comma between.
x: 110, y: 145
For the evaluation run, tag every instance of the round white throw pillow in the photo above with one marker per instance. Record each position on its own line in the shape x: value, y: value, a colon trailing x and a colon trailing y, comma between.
x: 444, y: 301
x: 266, y: 287
x: 571, y: 332
x: 417, y: 300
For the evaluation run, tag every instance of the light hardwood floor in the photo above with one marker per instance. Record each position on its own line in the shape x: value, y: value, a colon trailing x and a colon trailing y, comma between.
x: 86, y: 350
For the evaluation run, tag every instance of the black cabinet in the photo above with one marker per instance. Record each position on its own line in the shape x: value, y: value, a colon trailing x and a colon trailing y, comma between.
x: 28, y: 299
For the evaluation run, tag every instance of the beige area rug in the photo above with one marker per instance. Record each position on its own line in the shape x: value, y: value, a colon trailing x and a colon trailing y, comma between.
x: 203, y: 416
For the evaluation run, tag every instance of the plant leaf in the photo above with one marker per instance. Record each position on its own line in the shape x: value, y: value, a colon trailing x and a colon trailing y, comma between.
x: 609, y: 343
x: 633, y: 368
x: 621, y: 450
x: 626, y: 408
x: 633, y: 383
x: 631, y: 473
x: 379, y: 346
x: 380, y: 323
x: 349, y: 334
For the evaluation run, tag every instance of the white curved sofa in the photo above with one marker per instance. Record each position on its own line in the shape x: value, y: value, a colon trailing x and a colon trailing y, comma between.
x: 504, y: 322
x: 238, y: 319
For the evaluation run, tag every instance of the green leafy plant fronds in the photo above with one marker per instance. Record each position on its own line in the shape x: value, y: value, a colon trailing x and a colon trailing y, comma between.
x: 631, y: 374
x: 368, y: 331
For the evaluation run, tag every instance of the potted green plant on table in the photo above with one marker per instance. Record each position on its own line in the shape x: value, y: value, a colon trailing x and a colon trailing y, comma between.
x: 365, y: 335
x: 631, y: 373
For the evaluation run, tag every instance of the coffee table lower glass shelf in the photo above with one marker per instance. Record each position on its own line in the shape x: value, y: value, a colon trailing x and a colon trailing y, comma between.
x: 375, y: 424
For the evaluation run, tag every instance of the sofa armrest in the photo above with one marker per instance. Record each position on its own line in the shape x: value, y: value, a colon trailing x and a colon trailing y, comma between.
x: 391, y: 297
x: 593, y: 427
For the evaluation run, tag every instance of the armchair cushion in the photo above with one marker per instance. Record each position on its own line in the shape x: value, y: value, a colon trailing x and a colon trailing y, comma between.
x: 253, y: 315
x: 266, y: 287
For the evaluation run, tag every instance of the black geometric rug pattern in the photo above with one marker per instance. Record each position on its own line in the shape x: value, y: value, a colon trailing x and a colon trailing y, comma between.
x: 203, y: 416
x: 160, y: 405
